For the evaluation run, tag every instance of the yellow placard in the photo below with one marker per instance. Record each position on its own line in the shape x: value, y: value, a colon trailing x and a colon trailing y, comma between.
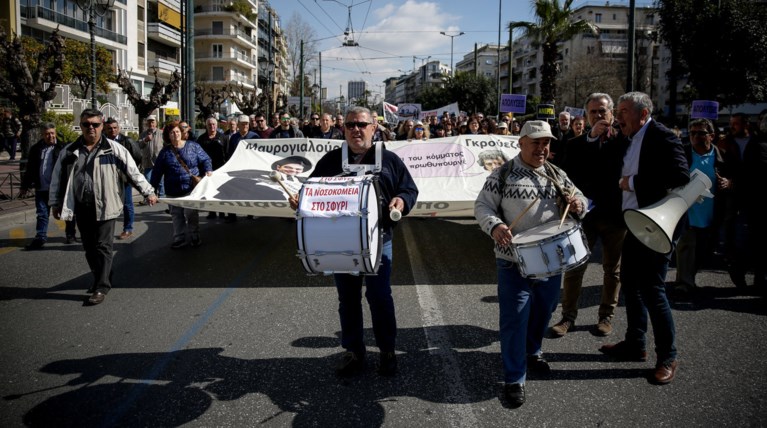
x: 170, y: 111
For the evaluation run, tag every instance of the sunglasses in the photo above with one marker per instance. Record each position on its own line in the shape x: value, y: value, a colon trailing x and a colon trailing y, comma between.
x: 315, y: 118
x: 284, y: 119
x: 418, y: 129
x: 360, y: 125
x: 86, y: 125
x: 699, y: 133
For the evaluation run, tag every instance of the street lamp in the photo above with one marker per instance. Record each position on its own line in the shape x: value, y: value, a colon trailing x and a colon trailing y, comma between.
x: 93, y: 8
x: 453, y: 36
x: 268, y: 68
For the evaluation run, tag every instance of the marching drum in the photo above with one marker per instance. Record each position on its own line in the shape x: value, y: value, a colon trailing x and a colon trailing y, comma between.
x: 549, y: 250
x: 337, y: 225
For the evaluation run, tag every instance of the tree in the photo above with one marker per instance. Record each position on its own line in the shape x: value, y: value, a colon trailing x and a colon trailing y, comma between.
x: 248, y: 101
x: 721, y: 46
x: 472, y: 92
x: 209, y: 98
x: 588, y: 74
x: 158, y: 96
x: 24, y: 85
x: 76, y: 73
x: 296, y: 31
x: 554, y: 23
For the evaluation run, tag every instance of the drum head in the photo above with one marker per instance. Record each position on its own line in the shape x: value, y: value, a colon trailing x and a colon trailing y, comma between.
x: 543, y: 231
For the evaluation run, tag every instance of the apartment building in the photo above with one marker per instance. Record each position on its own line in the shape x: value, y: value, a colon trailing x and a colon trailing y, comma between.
x: 144, y: 35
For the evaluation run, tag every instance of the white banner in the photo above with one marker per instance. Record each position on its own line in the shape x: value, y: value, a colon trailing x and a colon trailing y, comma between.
x: 449, y: 173
x: 450, y: 108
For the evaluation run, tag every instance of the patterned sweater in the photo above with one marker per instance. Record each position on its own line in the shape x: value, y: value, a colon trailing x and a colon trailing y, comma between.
x: 498, y: 203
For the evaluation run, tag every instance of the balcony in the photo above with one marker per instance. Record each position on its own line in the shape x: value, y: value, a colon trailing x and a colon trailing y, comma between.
x: 164, y: 66
x: 227, y: 79
x: 224, y: 10
x: 238, y: 58
x: 250, y: 41
x: 41, y: 13
x: 164, y: 33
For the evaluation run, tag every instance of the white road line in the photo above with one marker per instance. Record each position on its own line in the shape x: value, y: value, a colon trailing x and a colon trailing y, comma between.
x: 460, y: 412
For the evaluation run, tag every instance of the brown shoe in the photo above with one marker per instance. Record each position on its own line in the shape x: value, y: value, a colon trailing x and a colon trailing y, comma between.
x: 622, y: 351
x: 664, y: 373
x: 96, y: 298
x: 560, y: 329
x: 604, y: 327
x: 125, y: 235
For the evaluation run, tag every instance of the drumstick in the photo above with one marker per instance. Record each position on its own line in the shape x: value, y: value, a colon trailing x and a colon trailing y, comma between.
x: 561, y: 222
x: 276, y: 176
x: 519, y: 217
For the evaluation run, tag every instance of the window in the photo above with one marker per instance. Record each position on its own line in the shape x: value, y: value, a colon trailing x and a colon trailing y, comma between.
x: 141, y: 50
x: 217, y: 73
x: 218, y: 51
x: 615, y: 17
x: 140, y: 14
x: 217, y: 27
x: 597, y: 18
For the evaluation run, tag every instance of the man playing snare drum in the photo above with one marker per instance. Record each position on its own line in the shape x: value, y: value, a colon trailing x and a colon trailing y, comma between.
x: 526, y: 304
x: 398, y: 191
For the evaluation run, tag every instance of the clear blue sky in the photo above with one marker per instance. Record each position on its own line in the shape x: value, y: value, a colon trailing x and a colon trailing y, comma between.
x: 391, y: 32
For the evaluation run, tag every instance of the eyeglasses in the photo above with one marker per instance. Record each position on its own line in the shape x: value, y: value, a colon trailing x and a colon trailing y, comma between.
x: 86, y: 125
x: 184, y: 127
x: 284, y: 119
x: 699, y: 133
x: 360, y: 125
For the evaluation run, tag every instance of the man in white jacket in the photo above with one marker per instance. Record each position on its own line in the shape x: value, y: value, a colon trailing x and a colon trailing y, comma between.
x: 88, y: 183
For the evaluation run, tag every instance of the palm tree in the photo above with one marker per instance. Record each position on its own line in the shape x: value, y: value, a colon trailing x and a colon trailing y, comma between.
x: 554, y: 24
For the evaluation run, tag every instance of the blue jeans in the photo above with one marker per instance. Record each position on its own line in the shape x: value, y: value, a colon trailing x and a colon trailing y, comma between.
x: 378, y: 295
x: 148, y: 175
x: 128, y: 211
x: 43, y: 210
x: 643, y: 277
x: 526, y: 306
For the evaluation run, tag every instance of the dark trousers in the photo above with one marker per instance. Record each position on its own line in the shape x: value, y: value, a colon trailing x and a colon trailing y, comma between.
x: 378, y: 295
x: 43, y: 211
x: 9, y: 144
x: 643, y: 278
x: 97, y: 238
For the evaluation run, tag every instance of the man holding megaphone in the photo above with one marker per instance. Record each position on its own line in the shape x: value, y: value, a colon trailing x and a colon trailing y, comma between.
x: 653, y: 164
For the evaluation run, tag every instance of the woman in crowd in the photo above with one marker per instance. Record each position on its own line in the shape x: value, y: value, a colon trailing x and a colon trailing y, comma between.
x: 181, y: 163
x: 418, y: 132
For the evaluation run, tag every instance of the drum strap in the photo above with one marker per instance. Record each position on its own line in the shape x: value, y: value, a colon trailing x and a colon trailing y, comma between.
x: 361, y: 169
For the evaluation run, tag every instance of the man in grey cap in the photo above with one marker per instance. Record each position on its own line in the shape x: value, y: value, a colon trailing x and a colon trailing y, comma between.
x: 150, y: 142
x: 526, y: 304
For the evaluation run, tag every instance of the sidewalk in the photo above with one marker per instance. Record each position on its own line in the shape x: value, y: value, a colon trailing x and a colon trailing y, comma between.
x: 12, y: 209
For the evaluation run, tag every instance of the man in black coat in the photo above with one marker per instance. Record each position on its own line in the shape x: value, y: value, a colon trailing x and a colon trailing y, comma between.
x: 42, y: 158
x: 654, y: 163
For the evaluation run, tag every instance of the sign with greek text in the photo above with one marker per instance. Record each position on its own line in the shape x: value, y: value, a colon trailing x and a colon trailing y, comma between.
x: 513, y: 103
x: 702, y: 109
x: 449, y: 173
x: 546, y: 111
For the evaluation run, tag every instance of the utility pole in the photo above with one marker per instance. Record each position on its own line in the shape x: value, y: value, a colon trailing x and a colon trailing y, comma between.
x: 631, y: 42
x: 189, y: 78
x: 301, y: 90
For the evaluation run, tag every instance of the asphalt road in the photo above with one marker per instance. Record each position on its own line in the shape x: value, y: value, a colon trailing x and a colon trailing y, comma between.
x: 235, y: 334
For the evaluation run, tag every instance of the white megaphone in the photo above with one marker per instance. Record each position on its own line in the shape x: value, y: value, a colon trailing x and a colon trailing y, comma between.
x: 654, y: 225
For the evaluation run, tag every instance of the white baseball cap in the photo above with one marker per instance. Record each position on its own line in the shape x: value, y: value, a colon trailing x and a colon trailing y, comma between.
x: 536, y: 129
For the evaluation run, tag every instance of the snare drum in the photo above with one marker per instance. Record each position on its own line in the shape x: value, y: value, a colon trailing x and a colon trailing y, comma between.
x: 549, y: 250
x: 337, y: 226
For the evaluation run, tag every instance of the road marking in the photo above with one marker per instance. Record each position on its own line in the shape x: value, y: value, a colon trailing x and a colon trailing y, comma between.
x: 460, y: 414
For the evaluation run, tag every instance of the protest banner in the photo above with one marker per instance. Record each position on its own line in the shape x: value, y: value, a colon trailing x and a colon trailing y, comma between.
x: 449, y: 173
